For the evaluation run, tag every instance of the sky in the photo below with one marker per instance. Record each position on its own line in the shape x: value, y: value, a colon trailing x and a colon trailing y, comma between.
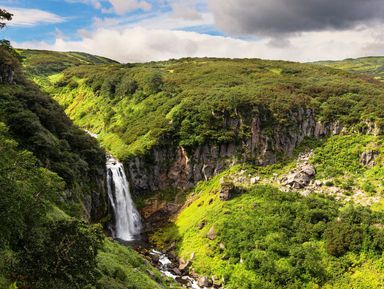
x: 150, y: 30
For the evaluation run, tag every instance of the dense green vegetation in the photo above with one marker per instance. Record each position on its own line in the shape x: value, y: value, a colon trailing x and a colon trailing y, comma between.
x: 269, y: 239
x: 48, y: 167
x: 372, y: 66
x: 338, y: 160
x: 39, y: 125
x: 265, y: 238
x: 31, y: 245
x: 136, y: 106
x: 122, y: 268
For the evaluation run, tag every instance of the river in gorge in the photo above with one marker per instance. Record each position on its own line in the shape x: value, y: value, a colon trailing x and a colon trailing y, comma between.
x: 128, y: 227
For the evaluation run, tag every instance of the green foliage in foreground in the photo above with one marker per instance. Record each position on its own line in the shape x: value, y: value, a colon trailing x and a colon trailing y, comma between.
x: 269, y: 239
x: 43, y: 248
x: 44, y: 160
x: 189, y: 101
x: 122, y: 268
x: 40, y: 126
x: 35, y: 251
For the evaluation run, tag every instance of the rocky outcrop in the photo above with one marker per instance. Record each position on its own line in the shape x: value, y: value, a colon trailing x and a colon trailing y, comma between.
x: 368, y: 158
x: 227, y: 191
x: 169, y: 166
x: 7, y: 74
x: 300, y: 178
x: 9, y: 66
x: 95, y: 201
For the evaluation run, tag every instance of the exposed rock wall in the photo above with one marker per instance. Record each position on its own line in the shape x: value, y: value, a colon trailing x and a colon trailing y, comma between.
x: 173, y: 167
x: 9, y: 66
x: 98, y: 201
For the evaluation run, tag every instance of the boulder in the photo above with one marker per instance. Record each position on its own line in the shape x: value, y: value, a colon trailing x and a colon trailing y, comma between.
x: 184, y: 265
x: 368, y: 158
x: 204, y: 282
x: 176, y: 271
x: 183, y: 280
x: 211, y: 235
x: 155, y: 259
x: 309, y: 170
x: 254, y: 180
x: 227, y: 191
x: 301, y: 177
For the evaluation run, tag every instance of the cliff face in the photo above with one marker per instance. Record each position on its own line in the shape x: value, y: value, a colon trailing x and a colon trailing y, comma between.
x: 167, y: 167
x: 96, y: 203
x: 8, y: 67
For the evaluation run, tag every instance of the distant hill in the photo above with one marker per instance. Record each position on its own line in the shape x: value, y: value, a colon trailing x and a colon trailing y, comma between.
x: 45, y: 62
x: 372, y: 66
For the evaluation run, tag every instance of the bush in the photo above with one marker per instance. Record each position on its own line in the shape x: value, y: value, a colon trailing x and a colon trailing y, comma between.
x: 61, y: 253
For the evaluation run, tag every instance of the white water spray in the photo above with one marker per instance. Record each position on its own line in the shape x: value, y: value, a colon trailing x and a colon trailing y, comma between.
x: 127, y: 218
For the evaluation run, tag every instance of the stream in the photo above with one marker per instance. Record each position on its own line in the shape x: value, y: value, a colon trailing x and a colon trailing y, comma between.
x: 128, y: 226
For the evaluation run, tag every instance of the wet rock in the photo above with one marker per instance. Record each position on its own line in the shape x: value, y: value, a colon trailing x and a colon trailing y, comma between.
x: 155, y: 259
x: 212, y: 233
x: 182, y: 280
x: 184, y: 265
x: 176, y: 271
x: 172, y: 255
x: 204, y: 282
x: 368, y: 158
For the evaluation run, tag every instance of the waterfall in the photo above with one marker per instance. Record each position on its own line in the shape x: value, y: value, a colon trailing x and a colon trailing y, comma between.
x: 127, y: 218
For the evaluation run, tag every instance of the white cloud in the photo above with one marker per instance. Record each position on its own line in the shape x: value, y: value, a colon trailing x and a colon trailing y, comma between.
x: 123, y: 6
x: 32, y: 17
x: 185, y: 11
x: 95, y: 3
x: 118, y: 6
x: 139, y: 44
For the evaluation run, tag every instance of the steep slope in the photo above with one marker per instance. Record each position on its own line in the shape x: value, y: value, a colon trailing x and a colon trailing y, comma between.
x: 372, y: 66
x: 175, y: 123
x: 52, y: 176
x: 40, y: 125
x: 266, y: 238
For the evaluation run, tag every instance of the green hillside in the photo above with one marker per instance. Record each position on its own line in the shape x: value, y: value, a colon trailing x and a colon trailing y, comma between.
x: 134, y: 107
x: 43, y: 62
x: 50, y: 171
x: 372, y: 66
x: 326, y: 234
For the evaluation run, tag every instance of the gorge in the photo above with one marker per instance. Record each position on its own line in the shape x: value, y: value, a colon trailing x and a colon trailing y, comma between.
x: 247, y: 173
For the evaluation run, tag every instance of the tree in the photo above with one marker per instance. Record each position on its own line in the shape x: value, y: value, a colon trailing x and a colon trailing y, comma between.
x: 60, y: 254
x: 4, y: 16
